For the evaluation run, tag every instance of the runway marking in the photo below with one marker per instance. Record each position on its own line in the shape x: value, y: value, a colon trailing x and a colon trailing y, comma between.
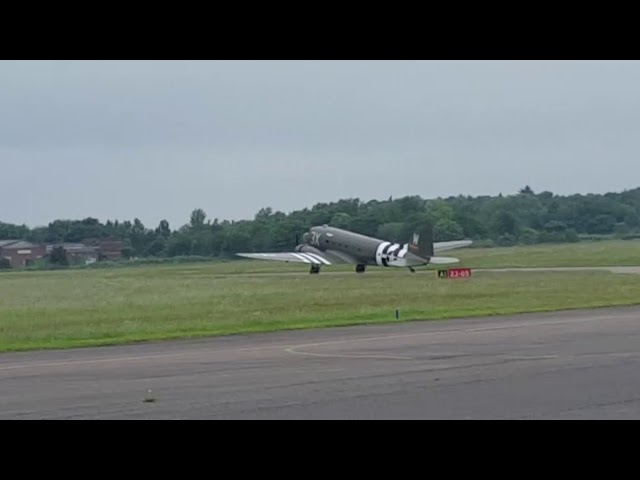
x: 559, y: 322
x: 530, y: 357
x: 289, y: 347
x: 611, y: 354
x: 142, y: 357
x: 464, y: 330
x: 320, y: 370
x: 345, y: 355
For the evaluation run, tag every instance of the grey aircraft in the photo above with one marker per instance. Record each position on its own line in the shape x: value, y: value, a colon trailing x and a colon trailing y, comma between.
x: 325, y: 245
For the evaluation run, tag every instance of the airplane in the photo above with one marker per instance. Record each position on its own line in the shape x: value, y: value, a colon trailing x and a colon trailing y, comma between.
x: 325, y: 245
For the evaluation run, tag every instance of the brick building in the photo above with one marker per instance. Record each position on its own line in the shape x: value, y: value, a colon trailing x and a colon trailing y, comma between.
x: 90, y: 250
x: 76, y: 252
x: 21, y: 253
x: 110, y: 249
x: 107, y: 248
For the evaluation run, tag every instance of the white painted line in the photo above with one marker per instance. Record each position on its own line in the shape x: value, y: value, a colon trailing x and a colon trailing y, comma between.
x: 345, y: 355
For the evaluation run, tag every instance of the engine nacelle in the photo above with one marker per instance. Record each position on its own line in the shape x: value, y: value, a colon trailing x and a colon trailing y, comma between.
x: 307, y: 249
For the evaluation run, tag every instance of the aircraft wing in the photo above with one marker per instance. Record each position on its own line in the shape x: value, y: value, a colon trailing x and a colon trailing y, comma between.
x: 324, y: 258
x: 442, y: 246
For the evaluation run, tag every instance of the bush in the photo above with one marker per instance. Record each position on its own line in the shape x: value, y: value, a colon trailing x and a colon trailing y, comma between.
x: 506, y: 240
x: 5, y: 264
x: 568, y: 236
x: 528, y: 236
x: 571, y: 236
x: 58, y: 257
x: 620, y: 230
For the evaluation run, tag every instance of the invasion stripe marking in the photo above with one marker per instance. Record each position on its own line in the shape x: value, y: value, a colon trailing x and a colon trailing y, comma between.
x: 318, y: 257
x: 311, y: 258
x: 304, y: 259
x: 396, y: 247
x: 308, y: 257
x: 380, y: 259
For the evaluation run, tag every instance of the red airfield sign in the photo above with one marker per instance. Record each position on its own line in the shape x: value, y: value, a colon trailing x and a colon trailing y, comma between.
x: 455, y: 273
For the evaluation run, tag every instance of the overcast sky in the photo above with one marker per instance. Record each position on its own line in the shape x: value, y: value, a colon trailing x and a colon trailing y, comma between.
x: 156, y: 139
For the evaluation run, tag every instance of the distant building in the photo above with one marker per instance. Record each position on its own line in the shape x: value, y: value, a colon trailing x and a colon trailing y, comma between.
x: 91, y: 250
x: 21, y: 253
x: 108, y: 248
x: 77, y: 252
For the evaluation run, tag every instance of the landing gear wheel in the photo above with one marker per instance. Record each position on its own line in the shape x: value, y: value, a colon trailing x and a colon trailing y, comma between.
x: 315, y: 269
x: 360, y: 268
x: 412, y: 270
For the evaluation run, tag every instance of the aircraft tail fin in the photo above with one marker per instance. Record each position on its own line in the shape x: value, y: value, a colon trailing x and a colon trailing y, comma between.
x: 421, y: 243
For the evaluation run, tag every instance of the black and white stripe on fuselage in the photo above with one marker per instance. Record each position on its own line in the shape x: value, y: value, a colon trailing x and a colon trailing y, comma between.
x: 391, y: 254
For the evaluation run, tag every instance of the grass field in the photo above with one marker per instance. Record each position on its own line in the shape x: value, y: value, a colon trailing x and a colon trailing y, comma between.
x: 584, y: 254
x: 97, y: 307
x: 52, y: 309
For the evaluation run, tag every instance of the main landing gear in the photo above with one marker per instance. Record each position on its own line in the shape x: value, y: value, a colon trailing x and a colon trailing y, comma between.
x: 360, y: 268
x: 412, y: 270
x: 315, y: 268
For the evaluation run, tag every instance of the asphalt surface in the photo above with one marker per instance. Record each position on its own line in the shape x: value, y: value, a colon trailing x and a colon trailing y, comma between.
x: 568, y: 365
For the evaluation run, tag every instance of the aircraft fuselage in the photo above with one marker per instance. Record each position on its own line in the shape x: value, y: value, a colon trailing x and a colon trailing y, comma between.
x: 364, y: 249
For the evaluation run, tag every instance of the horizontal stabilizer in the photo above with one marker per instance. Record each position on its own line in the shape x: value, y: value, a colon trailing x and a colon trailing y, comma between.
x: 442, y: 246
x: 443, y: 260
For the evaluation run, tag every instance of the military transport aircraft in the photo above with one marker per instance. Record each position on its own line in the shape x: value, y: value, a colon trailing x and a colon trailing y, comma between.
x: 325, y: 245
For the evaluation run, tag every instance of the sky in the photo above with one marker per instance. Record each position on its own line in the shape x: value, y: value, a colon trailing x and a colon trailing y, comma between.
x: 157, y: 139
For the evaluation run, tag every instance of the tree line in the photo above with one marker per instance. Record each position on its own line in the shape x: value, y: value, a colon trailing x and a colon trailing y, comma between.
x: 524, y: 217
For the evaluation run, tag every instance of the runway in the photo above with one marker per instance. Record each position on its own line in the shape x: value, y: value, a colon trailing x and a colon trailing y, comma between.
x: 629, y: 269
x: 567, y: 365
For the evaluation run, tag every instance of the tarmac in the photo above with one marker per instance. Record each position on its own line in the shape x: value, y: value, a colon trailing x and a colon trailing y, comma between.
x: 580, y: 364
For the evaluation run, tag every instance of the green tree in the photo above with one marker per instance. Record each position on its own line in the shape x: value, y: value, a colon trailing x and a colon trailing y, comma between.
x: 163, y: 229
x: 138, y: 237
x: 522, y: 217
x: 157, y: 248
x: 341, y: 220
x: 179, y: 245
x: 601, y: 224
x: 437, y: 210
x: 197, y: 220
x: 528, y: 236
x: 505, y: 223
x: 58, y: 256
x: 445, y: 230
x: 393, y: 232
